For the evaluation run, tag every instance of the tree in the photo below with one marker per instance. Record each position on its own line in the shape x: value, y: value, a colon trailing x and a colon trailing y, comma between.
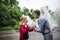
x: 25, y: 11
x: 28, y: 12
x: 10, y: 13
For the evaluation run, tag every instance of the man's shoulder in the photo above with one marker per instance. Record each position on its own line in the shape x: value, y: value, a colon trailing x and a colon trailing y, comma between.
x: 42, y: 18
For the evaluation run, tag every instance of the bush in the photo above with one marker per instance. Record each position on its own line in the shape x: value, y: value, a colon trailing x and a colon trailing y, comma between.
x: 16, y: 27
x: 9, y: 15
x: 6, y: 28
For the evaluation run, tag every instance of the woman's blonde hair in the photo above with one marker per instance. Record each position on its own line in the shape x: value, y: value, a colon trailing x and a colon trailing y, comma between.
x: 23, y: 17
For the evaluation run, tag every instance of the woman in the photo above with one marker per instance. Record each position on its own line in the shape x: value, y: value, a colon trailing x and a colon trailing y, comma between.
x: 24, y: 29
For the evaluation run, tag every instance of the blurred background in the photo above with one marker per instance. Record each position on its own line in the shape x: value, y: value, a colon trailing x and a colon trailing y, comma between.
x: 12, y: 10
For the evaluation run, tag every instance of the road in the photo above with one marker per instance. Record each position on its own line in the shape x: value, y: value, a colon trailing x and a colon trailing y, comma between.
x: 32, y: 36
x: 38, y: 36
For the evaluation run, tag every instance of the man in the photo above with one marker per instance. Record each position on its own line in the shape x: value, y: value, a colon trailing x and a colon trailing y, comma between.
x: 43, y: 26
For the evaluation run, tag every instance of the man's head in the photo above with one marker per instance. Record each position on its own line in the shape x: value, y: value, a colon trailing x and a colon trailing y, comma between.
x: 36, y: 13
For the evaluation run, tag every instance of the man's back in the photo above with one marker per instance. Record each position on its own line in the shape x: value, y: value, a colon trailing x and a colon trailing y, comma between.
x: 43, y: 25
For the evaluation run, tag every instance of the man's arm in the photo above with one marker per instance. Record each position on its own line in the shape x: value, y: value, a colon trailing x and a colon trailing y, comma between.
x: 38, y: 30
x: 40, y: 25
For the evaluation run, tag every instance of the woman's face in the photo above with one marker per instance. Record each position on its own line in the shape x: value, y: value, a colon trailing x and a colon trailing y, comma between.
x: 23, y: 19
x: 26, y: 20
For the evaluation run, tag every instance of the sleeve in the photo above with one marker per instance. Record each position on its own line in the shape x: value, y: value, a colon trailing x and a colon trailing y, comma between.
x: 40, y: 24
x: 22, y: 29
x: 38, y: 29
x: 30, y: 29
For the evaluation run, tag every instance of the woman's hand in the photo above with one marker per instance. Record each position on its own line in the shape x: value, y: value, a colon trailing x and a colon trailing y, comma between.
x: 34, y: 26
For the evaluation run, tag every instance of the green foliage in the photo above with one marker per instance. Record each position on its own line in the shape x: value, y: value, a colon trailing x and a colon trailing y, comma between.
x: 6, y: 28
x: 10, y: 14
x: 31, y: 16
x: 16, y: 27
x: 27, y: 12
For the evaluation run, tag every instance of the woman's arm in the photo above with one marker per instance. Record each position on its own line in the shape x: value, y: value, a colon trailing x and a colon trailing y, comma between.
x: 30, y: 29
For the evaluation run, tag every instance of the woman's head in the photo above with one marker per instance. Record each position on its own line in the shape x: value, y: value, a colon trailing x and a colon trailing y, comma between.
x: 24, y: 19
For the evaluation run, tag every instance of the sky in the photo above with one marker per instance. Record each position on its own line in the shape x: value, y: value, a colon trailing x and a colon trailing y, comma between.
x: 37, y: 4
